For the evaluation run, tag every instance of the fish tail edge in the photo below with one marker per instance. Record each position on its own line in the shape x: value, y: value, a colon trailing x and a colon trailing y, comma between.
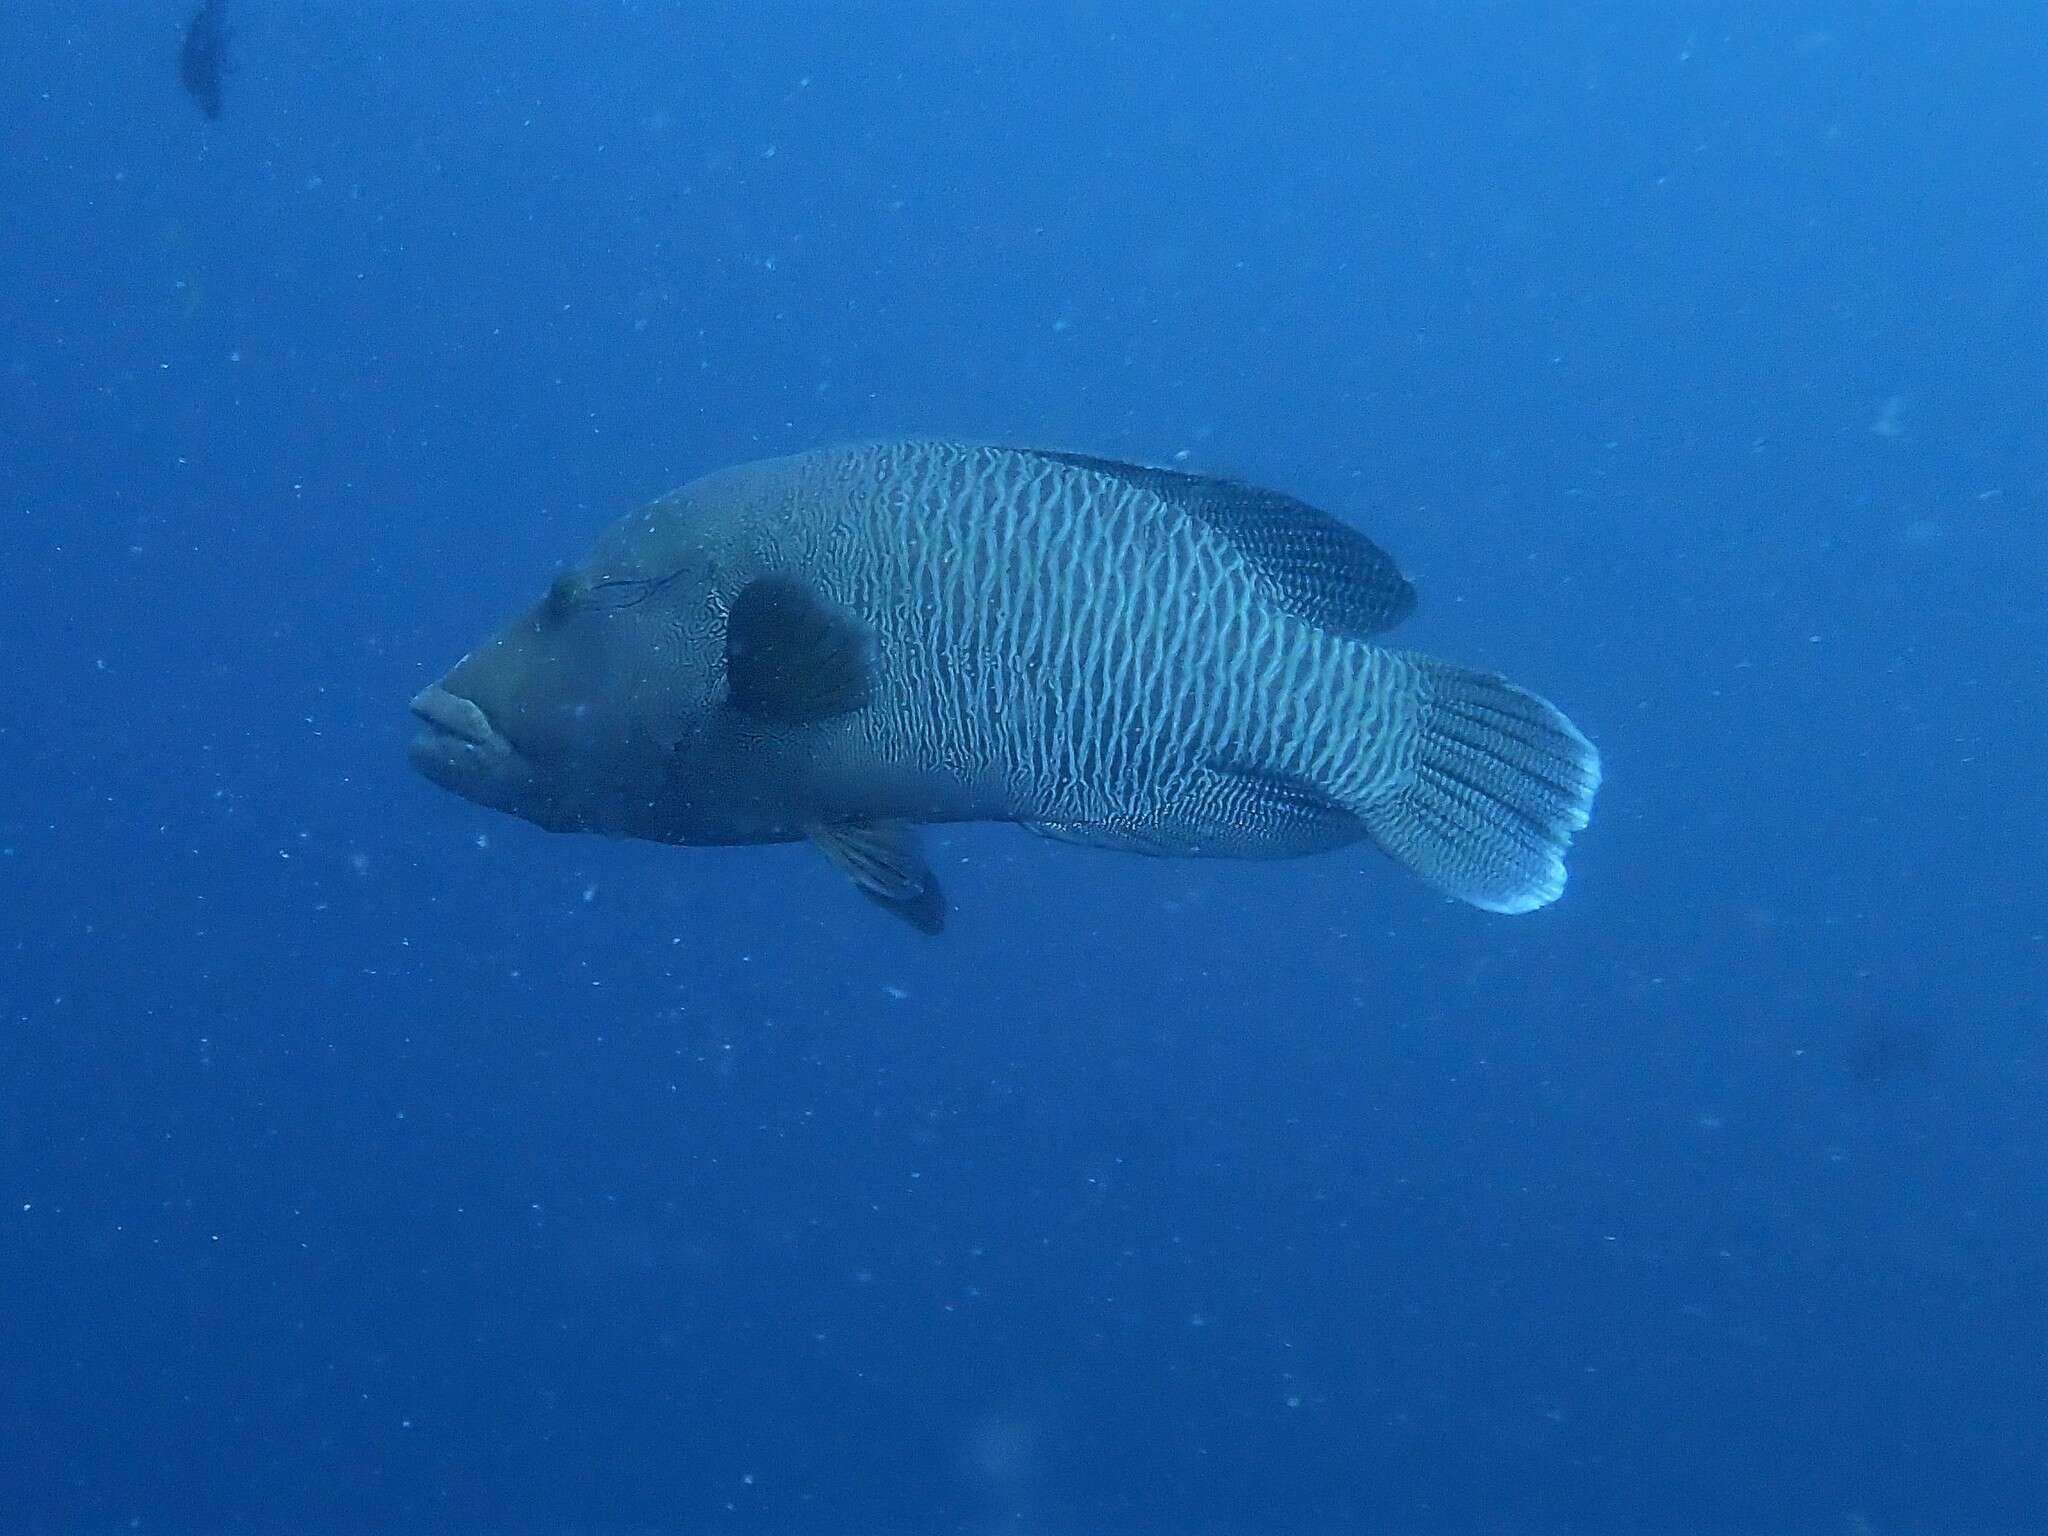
x: 1499, y: 781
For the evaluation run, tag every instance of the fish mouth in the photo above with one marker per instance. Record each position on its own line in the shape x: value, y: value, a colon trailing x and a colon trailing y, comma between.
x: 459, y: 744
x: 450, y: 714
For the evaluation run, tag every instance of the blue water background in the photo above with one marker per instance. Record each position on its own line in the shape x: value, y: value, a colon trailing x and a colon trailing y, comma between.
x: 370, y: 1161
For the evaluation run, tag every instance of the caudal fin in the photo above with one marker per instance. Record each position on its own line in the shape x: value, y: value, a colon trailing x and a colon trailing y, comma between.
x: 1501, y: 782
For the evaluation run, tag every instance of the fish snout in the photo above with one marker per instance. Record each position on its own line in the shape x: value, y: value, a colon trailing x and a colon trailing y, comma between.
x: 451, y: 714
x: 459, y: 743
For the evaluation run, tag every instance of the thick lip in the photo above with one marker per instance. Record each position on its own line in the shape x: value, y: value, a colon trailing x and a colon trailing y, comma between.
x: 450, y: 714
x: 457, y: 728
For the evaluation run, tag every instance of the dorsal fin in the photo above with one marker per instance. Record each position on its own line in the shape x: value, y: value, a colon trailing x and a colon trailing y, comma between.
x: 1318, y: 569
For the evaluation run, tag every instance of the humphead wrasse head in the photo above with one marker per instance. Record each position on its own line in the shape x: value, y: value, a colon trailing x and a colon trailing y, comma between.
x: 571, y: 716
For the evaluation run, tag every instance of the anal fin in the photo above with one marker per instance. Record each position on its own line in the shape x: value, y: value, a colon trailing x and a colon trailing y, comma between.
x: 1222, y: 810
x: 1114, y: 836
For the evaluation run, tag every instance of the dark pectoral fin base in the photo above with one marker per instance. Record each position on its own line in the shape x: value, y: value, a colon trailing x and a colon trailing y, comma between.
x: 790, y: 657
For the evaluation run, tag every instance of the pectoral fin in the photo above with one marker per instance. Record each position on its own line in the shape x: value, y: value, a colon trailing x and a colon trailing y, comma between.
x: 882, y: 858
x: 790, y: 657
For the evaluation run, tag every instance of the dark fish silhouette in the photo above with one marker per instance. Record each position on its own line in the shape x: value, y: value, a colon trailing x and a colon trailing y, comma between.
x: 841, y: 645
x: 202, y: 57
x: 1888, y: 1046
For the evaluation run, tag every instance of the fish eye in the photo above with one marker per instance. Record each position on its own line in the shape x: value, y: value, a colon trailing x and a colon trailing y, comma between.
x: 563, y: 594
